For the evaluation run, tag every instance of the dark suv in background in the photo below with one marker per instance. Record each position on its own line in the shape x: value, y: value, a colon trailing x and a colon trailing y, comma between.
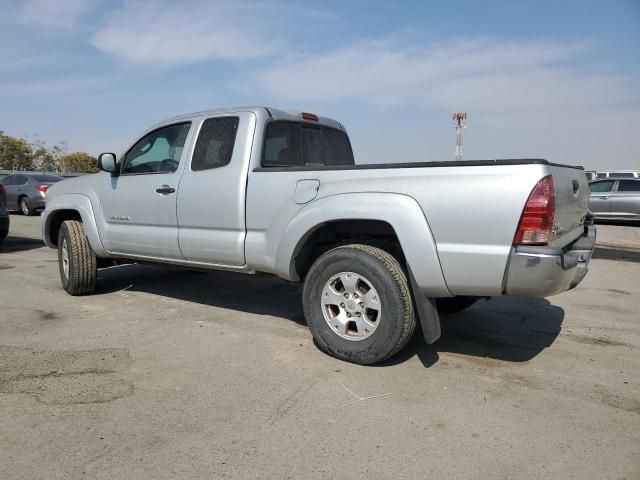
x: 26, y: 192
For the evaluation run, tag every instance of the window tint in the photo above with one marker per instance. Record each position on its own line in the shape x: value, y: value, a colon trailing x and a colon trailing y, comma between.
x: 6, y: 181
x: 281, y: 146
x: 20, y: 180
x: 289, y: 144
x: 312, y: 148
x: 604, y: 186
x: 46, y: 178
x: 629, y: 186
x: 157, y: 152
x: 601, y: 175
x: 214, y: 147
x: 337, y: 149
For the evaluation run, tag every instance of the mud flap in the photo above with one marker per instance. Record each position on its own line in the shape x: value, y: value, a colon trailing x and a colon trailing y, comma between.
x: 427, y: 312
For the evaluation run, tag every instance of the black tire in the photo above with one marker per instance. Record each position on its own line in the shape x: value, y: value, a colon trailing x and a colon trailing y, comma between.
x: 82, y: 262
x: 397, y: 321
x: 455, y: 304
x: 24, y: 207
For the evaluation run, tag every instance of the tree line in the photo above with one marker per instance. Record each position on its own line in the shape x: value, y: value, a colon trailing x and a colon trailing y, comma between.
x: 20, y: 154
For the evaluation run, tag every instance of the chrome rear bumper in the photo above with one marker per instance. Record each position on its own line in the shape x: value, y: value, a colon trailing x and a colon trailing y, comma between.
x: 545, y: 271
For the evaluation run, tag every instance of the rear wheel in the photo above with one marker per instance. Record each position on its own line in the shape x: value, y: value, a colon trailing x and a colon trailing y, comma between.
x: 76, y: 260
x: 25, y: 208
x: 358, y: 304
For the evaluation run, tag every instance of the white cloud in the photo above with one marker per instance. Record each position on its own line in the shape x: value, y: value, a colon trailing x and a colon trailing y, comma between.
x: 525, y: 98
x: 482, y: 75
x: 168, y: 32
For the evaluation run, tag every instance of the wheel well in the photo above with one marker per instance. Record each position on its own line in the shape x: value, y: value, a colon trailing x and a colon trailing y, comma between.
x: 329, y: 235
x: 55, y: 222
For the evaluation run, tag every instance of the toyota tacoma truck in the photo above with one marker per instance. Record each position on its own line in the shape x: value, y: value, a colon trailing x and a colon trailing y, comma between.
x: 379, y: 247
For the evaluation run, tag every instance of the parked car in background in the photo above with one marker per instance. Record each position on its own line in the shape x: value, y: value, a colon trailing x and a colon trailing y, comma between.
x: 618, y: 174
x: 615, y: 199
x: 26, y: 192
x: 4, y: 215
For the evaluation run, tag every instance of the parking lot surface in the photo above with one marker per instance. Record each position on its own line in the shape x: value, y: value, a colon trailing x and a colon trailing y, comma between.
x: 167, y: 373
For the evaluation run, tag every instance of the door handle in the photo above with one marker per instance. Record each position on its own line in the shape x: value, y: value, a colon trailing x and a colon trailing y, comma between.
x: 165, y: 190
x: 603, y: 198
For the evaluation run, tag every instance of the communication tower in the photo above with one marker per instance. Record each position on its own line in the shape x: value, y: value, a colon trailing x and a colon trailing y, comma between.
x: 459, y: 122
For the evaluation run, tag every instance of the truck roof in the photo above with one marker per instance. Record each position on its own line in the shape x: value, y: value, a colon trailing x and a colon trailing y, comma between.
x: 271, y: 112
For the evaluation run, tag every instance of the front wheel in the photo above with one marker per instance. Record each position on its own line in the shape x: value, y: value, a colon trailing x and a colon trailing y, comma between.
x: 358, y: 304
x: 77, y: 262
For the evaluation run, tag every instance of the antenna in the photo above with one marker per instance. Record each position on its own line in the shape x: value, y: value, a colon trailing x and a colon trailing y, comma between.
x: 459, y: 122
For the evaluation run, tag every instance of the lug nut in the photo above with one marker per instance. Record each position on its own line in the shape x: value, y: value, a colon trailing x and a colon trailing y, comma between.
x: 346, y: 295
x: 355, y: 295
x: 358, y: 314
x: 361, y: 304
x: 342, y: 304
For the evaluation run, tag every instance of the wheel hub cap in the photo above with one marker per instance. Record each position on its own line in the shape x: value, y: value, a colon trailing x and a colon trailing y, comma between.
x: 65, y: 258
x: 351, y: 306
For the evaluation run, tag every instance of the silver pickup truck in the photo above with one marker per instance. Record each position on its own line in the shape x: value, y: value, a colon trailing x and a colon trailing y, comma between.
x: 378, y: 247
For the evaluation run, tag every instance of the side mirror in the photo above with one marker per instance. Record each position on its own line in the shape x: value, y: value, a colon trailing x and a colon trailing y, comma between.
x: 107, y: 163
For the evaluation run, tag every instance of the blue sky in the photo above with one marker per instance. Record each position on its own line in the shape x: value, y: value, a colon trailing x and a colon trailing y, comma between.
x: 551, y: 79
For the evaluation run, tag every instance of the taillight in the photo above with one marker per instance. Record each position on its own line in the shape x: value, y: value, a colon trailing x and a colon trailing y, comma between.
x: 43, y: 188
x: 536, y: 222
x: 310, y: 116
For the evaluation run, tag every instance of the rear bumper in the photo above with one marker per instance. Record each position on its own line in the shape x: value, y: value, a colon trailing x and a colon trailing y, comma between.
x: 36, y: 202
x: 545, y: 271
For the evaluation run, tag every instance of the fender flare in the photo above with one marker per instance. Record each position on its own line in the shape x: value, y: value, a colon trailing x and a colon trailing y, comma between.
x: 400, y: 211
x: 81, y: 204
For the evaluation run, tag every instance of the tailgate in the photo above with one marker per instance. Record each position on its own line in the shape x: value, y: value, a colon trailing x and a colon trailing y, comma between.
x: 572, y: 201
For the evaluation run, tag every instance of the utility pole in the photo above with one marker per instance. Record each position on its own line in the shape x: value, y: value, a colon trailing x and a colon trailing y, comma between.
x: 459, y: 122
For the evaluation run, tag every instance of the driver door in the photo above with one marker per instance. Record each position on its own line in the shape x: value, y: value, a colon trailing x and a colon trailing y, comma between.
x: 138, y: 207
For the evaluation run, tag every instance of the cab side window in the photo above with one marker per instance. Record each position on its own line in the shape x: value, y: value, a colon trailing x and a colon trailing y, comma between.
x: 604, y: 186
x: 157, y: 152
x: 216, y: 139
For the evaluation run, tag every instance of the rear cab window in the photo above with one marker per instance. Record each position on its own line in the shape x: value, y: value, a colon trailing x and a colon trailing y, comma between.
x: 296, y: 144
